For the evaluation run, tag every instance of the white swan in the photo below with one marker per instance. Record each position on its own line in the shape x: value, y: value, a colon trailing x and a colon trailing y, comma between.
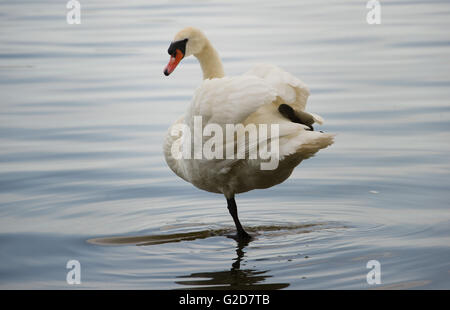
x: 264, y: 95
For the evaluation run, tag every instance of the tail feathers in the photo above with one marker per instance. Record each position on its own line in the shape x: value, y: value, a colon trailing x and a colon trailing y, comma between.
x: 306, y: 144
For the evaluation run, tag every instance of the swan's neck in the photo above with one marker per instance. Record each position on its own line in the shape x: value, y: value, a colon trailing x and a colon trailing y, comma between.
x: 210, y: 62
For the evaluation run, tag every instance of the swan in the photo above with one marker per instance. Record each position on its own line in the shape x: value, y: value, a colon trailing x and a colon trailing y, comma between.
x: 264, y: 95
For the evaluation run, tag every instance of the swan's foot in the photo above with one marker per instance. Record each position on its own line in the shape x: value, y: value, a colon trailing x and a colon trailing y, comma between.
x: 299, y: 117
x: 241, y: 237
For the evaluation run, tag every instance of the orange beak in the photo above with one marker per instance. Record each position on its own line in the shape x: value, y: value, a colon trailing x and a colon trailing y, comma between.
x: 173, y: 62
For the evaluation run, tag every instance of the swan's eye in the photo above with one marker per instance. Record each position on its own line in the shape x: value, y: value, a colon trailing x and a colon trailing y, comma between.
x: 177, y: 45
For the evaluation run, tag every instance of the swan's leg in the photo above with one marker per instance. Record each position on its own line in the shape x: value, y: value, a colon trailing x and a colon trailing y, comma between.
x: 232, y: 207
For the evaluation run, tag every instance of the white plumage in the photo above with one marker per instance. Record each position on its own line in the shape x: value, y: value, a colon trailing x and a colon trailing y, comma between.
x: 252, y: 98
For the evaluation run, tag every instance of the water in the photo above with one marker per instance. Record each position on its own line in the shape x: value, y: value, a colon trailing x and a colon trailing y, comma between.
x: 84, y: 112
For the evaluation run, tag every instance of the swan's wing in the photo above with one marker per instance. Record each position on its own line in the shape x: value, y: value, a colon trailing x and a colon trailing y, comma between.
x: 254, y: 99
x: 291, y: 90
x: 230, y: 100
x: 291, y: 139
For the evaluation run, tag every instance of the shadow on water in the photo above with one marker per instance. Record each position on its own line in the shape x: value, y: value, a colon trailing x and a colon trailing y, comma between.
x: 158, y: 239
x: 203, y: 234
x: 235, y: 278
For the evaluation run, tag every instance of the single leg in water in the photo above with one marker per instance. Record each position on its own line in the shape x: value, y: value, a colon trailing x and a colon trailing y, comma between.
x: 232, y: 207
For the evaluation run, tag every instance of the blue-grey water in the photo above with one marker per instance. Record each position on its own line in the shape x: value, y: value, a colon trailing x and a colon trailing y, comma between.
x: 83, y: 114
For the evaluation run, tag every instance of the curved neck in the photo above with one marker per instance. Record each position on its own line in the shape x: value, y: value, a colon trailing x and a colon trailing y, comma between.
x: 210, y: 62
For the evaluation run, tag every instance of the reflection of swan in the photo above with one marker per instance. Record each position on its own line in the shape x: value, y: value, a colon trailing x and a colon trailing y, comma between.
x: 264, y: 95
x: 235, y: 278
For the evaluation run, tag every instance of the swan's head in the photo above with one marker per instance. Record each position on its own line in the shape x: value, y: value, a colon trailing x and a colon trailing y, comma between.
x: 187, y: 42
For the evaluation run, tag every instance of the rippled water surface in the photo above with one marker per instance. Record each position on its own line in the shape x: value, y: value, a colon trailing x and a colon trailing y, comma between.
x: 84, y: 110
